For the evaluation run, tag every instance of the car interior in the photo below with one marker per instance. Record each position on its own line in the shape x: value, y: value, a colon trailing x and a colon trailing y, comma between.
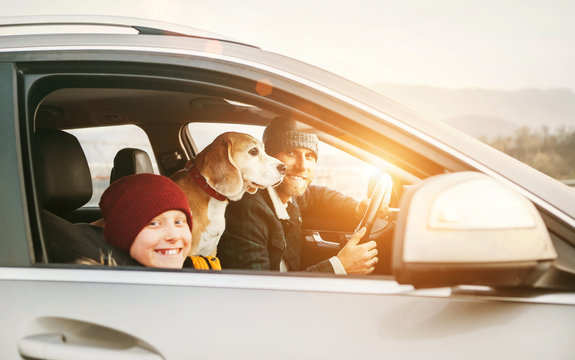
x: 63, y: 181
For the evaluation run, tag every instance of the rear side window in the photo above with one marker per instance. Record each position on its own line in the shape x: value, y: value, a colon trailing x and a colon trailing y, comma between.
x: 100, y: 146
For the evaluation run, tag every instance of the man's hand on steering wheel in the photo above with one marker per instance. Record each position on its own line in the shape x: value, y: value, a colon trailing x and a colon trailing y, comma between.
x: 358, y: 258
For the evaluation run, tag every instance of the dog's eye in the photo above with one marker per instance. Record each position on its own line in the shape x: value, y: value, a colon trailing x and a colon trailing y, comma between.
x: 254, y: 151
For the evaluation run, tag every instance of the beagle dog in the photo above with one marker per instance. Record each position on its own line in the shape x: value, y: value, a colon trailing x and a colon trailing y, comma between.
x: 228, y: 167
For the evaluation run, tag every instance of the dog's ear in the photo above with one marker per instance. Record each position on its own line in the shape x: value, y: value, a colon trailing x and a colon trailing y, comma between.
x: 217, y: 165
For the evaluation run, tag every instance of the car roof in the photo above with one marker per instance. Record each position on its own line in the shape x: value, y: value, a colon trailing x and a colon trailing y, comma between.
x: 13, y: 25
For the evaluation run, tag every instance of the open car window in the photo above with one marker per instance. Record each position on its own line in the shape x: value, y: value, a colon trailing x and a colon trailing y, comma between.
x: 136, y: 113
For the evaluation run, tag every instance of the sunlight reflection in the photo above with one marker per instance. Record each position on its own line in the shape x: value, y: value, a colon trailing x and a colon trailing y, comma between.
x: 264, y: 87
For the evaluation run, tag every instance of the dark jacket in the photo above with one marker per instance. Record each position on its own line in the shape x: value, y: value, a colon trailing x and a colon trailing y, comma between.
x: 256, y: 239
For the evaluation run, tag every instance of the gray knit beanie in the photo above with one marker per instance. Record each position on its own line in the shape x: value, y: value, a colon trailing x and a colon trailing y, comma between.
x: 282, y: 134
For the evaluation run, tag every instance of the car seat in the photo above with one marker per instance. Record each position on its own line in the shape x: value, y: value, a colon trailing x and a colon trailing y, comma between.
x: 64, y: 184
x: 130, y: 161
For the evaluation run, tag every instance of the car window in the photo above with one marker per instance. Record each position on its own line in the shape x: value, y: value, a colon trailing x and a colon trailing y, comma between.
x: 100, y: 145
x: 336, y: 169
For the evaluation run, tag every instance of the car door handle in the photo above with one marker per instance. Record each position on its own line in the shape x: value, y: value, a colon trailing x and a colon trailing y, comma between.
x: 323, y: 243
x: 55, y: 347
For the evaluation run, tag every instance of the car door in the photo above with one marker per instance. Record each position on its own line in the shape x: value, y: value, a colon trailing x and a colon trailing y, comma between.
x: 63, y: 311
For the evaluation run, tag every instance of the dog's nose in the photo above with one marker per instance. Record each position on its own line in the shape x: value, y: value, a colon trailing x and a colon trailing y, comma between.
x: 282, y: 168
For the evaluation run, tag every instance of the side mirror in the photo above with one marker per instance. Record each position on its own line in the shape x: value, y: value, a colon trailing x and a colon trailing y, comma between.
x: 466, y: 228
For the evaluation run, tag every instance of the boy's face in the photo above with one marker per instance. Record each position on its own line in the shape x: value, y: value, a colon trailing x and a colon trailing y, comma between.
x: 165, y: 242
x: 301, y: 164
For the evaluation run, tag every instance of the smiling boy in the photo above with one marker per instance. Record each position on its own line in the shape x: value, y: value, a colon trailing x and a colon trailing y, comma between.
x: 148, y: 217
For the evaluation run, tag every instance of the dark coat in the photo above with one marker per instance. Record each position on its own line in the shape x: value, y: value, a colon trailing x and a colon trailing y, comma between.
x: 256, y: 239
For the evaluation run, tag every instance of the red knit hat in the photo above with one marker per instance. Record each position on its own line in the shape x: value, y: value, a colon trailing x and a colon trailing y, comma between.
x: 130, y: 202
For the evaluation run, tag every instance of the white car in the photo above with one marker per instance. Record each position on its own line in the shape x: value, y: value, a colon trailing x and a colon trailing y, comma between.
x: 477, y: 263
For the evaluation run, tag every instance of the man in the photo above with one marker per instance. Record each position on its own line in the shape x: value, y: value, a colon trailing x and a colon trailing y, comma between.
x: 263, y: 230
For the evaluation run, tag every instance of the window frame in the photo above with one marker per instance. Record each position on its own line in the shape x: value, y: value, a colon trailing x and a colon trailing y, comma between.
x: 17, y: 225
x: 350, y: 122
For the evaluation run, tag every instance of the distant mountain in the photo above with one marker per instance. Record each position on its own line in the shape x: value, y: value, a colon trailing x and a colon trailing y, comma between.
x: 485, y: 112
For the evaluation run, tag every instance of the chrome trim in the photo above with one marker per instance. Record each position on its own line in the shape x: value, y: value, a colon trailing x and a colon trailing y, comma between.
x: 407, y: 128
x: 486, y: 293
x: 282, y: 282
x: 206, y: 279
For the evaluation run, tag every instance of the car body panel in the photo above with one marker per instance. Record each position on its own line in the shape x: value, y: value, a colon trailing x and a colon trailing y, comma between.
x: 244, y: 316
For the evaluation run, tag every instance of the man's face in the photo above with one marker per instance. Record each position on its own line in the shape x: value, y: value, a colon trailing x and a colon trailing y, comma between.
x: 301, y: 164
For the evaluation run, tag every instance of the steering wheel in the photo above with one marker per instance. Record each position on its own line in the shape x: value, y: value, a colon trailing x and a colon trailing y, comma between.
x: 381, y: 196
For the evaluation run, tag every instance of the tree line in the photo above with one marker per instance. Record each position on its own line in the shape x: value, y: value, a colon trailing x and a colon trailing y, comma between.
x: 551, y: 152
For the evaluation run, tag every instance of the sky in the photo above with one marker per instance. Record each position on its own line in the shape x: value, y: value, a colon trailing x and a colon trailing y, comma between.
x: 504, y: 44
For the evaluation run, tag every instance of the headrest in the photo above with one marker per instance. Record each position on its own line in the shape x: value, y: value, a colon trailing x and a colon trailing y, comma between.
x: 61, y: 171
x: 130, y: 161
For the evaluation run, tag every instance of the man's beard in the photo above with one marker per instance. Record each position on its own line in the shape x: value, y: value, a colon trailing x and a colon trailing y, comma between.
x: 293, y: 188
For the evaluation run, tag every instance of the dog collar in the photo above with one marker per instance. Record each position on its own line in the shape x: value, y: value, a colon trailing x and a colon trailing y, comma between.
x: 201, y: 181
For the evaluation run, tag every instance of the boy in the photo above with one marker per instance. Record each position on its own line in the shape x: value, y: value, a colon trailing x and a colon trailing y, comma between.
x: 148, y: 217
